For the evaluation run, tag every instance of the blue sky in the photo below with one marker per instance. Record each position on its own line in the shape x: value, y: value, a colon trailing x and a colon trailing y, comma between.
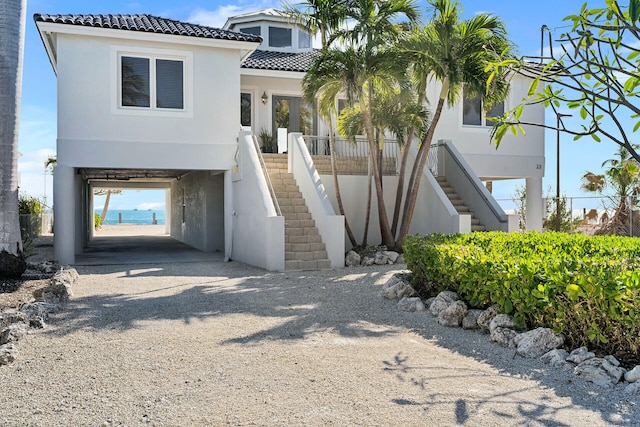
x: 38, y: 114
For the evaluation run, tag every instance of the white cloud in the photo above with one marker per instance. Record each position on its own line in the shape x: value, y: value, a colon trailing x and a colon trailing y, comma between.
x: 217, y: 18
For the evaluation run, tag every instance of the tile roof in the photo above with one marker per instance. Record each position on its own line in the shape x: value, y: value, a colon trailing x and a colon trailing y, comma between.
x: 280, y: 61
x: 148, y: 24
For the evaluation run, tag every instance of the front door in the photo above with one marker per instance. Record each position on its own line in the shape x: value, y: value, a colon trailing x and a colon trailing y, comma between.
x: 293, y: 114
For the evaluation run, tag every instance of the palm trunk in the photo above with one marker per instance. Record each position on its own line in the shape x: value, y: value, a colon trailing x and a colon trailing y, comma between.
x: 400, y: 187
x: 12, y: 27
x: 336, y: 185
x: 105, y: 208
x: 365, y: 235
x: 418, y: 167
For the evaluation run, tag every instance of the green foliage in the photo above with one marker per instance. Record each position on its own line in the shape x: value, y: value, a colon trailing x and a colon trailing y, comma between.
x: 96, y: 221
x: 30, y: 209
x: 586, y: 288
x: 29, y: 205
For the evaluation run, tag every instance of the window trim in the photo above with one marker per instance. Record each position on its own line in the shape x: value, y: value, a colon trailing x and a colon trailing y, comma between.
x: 483, y: 115
x: 186, y: 57
x: 290, y: 30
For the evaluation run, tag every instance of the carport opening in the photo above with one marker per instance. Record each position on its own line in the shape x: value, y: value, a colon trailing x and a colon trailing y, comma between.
x: 126, y: 212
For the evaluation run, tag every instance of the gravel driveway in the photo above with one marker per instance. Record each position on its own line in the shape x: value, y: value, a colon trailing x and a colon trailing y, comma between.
x: 226, y: 344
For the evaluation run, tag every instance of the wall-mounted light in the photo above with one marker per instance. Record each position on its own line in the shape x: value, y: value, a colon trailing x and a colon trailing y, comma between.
x: 264, y: 97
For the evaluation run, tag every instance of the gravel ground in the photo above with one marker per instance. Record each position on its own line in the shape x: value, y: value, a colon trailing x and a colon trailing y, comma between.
x: 227, y: 344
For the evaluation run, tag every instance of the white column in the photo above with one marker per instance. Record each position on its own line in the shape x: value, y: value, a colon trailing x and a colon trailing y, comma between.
x: 64, y: 210
x: 92, y: 227
x: 167, y: 211
x: 535, y: 204
x: 228, y: 215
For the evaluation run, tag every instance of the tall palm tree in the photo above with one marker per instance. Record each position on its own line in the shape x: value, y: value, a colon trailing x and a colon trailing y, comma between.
x: 325, y: 17
x: 454, y: 53
x: 12, y: 27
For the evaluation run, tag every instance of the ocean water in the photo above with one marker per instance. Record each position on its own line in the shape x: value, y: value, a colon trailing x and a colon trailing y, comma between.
x: 140, y: 217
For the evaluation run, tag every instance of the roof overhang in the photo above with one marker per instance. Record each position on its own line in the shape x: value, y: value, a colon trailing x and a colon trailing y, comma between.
x: 49, y: 32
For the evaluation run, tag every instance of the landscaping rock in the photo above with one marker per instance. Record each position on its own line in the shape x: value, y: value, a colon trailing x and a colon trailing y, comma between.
x: 470, y: 320
x: 453, y: 314
x: 501, y: 321
x: 633, y: 388
x: 428, y: 302
x: 9, y: 318
x: 397, y: 288
x: 391, y: 256
x: 8, y: 353
x: 352, y: 259
x: 367, y: 261
x: 67, y: 276
x: 400, y: 260
x: 503, y: 336
x: 579, y: 355
x: 599, y: 371
x: 443, y: 300
x: 557, y: 358
x: 381, y: 259
x: 13, y: 333
x: 537, y: 342
x: 486, y: 317
x: 411, y: 304
x: 38, y: 312
x: 633, y: 375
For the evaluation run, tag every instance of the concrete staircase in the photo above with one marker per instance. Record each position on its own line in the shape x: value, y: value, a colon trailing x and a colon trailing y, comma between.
x: 304, y: 249
x: 458, y: 203
x: 351, y: 165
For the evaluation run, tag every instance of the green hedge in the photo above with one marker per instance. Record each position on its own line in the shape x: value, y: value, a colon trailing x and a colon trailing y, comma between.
x: 586, y: 288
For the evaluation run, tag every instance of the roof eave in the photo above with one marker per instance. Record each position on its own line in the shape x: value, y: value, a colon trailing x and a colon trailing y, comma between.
x: 48, y: 41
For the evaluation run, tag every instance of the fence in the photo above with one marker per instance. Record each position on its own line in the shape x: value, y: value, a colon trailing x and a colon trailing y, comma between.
x: 355, y: 148
x: 35, y: 225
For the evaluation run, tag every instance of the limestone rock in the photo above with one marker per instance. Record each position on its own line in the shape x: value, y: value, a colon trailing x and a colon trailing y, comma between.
x: 8, y: 353
x: 633, y: 388
x: 397, y: 288
x: 411, y: 304
x: 66, y: 275
x: 9, y: 318
x: 442, y: 301
x: 599, y: 371
x: 470, y: 320
x: 453, y: 315
x: 501, y: 321
x: 557, y: 358
x: 428, y: 302
x: 400, y: 260
x: 391, y: 256
x: 381, y: 259
x: 486, y: 317
x: 352, y: 259
x: 367, y: 261
x: 579, y: 355
x: 633, y: 375
x: 38, y: 312
x: 503, y: 336
x: 537, y: 342
x: 13, y: 333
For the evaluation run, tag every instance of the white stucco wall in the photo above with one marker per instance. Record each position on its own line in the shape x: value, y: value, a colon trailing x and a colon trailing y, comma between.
x: 93, y: 131
x: 202, y: 225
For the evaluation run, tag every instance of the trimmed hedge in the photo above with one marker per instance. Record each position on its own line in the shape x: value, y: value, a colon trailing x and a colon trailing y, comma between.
x: 586, y: 288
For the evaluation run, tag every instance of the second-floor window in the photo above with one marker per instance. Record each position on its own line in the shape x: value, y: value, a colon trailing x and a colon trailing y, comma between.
x: 473, y: 113
x: 152, y: 83
x: 279, y: 37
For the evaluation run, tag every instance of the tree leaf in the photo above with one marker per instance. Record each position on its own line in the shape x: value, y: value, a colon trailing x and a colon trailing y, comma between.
x: 634, y: 10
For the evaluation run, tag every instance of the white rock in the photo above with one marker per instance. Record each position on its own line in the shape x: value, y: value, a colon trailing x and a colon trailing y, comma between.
x: 486, y: 317
x: 579, y: 355
x: 8, y: 353
x: 381, y: 259
x: 392, y: 256
x: 411, y: 304
x: 352, y: 259
x: 633, y: 388
x: 599, y: 371
x: 633, y: 375
x: 400, y: 260
x: 501, y: 321
x: 537, y: 342
x: 453, y: 315
x: 557, y: 358
x: 13, y: 333
x: 503, y: 336
x: 367, y: 261
x: 470, y: 320
x: 442, y: 301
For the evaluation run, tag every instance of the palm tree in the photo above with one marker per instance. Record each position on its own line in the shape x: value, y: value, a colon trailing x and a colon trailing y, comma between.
x: 454, y: 53
x: 325, y: 17
x: 12, y: 27
x: 623, y: 177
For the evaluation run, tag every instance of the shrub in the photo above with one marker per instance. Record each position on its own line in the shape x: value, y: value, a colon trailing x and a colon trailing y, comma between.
x: 96, y: 221
x: 586, y: 288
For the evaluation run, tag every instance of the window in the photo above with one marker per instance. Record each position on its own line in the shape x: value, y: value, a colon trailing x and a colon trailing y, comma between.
x: 304, y: 40
x: 472, y: 113
x: 245, y: 109
x: 279, y: 37
x: 251, y: 30
x: 154, y: 83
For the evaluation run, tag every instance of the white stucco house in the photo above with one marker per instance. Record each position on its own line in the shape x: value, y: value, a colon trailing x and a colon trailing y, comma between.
x: 148, y: 102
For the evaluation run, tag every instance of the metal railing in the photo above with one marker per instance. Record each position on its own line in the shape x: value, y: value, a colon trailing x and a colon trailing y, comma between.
x: 358, y: 148
x: 432, y: 158
x: 266, y: 175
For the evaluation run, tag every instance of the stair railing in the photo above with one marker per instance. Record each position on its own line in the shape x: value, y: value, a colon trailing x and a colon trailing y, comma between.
x: 263, y: 165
